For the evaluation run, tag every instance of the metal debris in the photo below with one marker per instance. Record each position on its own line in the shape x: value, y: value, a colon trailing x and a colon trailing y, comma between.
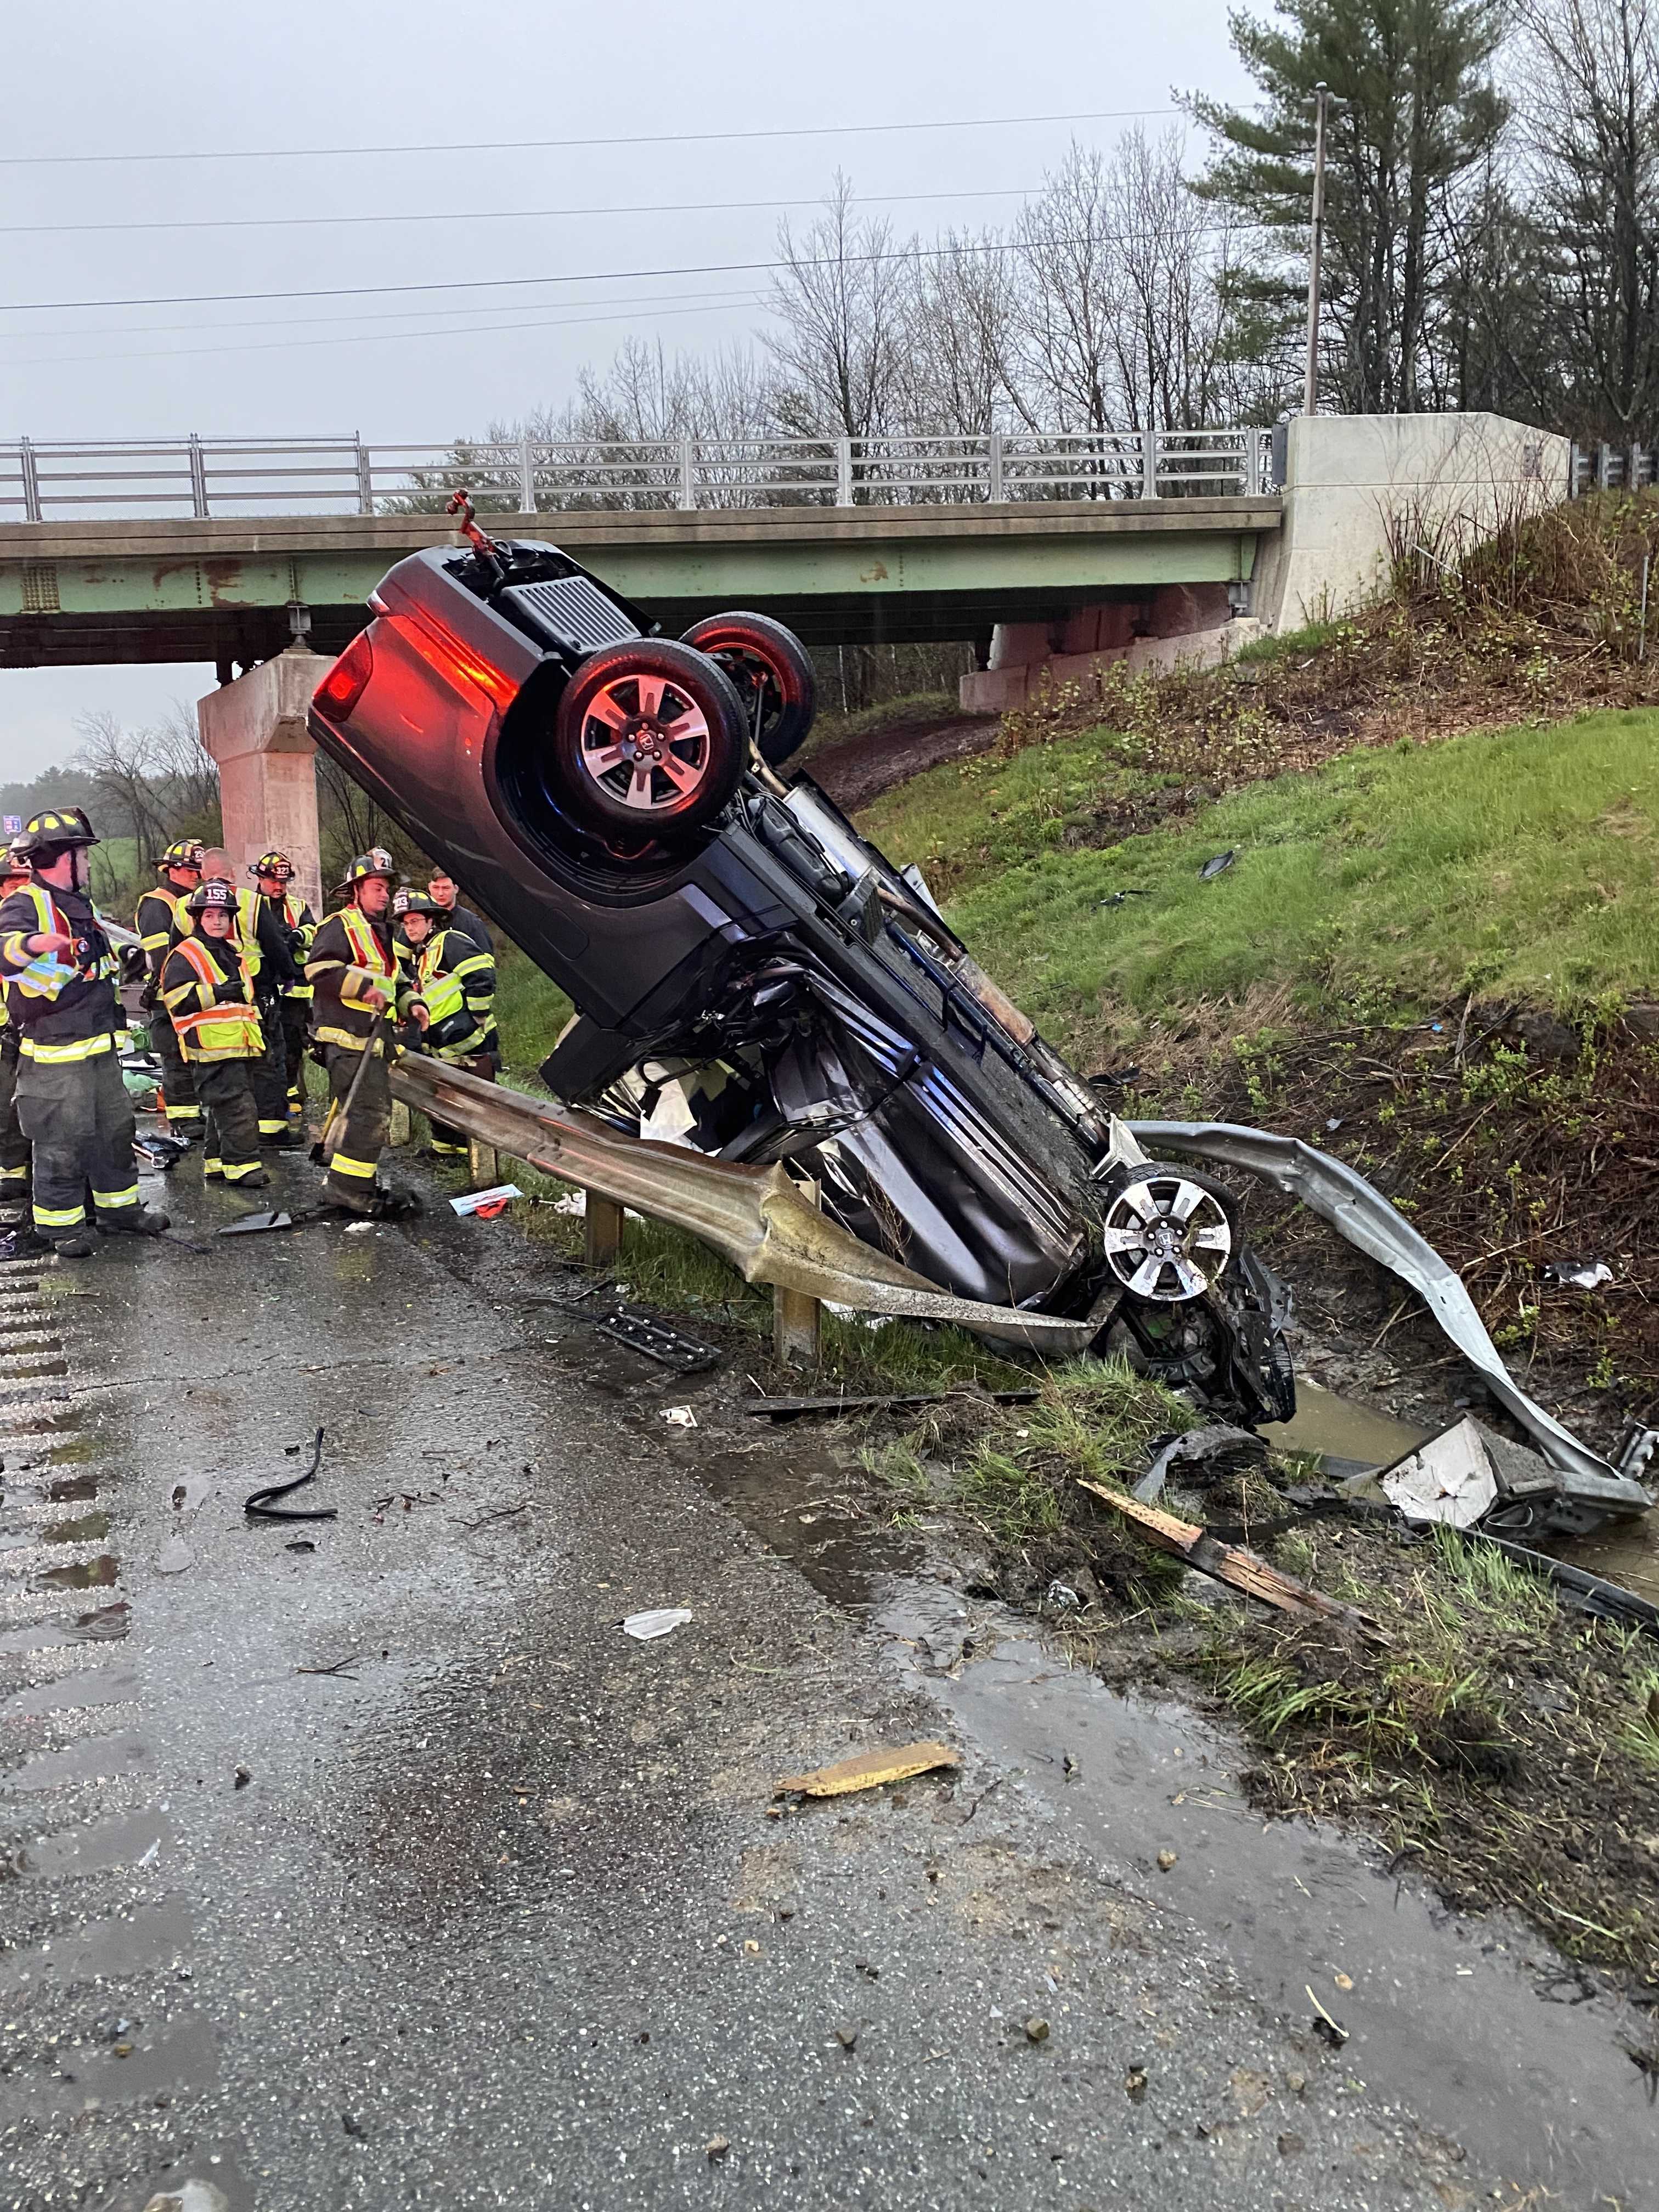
x: 791, y: 1409
x: 1217, y: 865
x: 1218, y: 1447
x: 1449, y: 1478
x: 869, y: 1770
x: 642, y: 1332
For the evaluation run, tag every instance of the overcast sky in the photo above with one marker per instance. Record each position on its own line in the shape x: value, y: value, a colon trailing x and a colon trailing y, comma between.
x: 188, y: 78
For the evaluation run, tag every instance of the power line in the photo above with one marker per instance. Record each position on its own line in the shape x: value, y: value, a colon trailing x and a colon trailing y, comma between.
x: 551, y: 145
x: 716, y: 303
x: 583, y: 276
x: 500, y: 214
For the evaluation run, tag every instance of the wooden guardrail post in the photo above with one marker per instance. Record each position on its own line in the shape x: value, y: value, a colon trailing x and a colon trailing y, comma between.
x: 602, y: 1230
x: 483, y: 1168
x: 797, y: 1316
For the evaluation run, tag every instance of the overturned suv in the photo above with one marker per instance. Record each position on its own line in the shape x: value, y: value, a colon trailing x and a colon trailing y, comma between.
x: 750, y: 974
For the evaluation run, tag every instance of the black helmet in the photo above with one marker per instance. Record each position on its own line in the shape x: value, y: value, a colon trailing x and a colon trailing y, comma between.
x: 377, y: 861
x: 213, y: 896
x: 182, y: 853
x: 14, y: 861
x: 47, y: 835
x: 272, y: 864
x: 405, y: 902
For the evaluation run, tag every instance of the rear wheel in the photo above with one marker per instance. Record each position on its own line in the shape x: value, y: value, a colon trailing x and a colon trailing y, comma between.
x: 649, y: 737
x: 773, y: 673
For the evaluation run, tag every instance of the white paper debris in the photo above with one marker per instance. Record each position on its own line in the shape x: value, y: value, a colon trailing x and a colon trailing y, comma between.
x: 645, y: 1627
x: 573, y: 1203
x: 358, y: 1228
x: 1449, y: 1478
x: 679, y: 1417
x: 470, y: 1201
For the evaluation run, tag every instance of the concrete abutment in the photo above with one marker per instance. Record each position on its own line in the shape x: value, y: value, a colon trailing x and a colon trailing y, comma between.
x: 255, y: 729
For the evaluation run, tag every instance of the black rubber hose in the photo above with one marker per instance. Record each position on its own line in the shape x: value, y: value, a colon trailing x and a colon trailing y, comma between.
x: 260, y: 1506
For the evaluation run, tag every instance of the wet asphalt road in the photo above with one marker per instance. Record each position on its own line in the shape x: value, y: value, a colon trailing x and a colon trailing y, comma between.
x: 493, y: 1914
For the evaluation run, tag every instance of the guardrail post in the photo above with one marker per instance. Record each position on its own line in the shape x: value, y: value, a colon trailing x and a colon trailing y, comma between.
x: 526, y: 477
x: 365, y: 477
x: 197, y: 479
x: 687, y: 474
x: 1603, y: 465
x: 993, y: 468
x: 31, y: 481
x: 1149, y: 465
x: 797, y: 1316
x: 843, y: 472
x: 484, y: 1170
x: 602, y: 1230
x: 1251, y: 464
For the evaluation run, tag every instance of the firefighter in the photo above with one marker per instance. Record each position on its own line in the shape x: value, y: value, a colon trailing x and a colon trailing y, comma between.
x: 208, y: 989
x: 14, y: 1145
x: 161, y: 922
x: 361, y: 988
x: 272, y: 873
x: 60, y: 973
x: 266, y: 943
x: 457, y: 984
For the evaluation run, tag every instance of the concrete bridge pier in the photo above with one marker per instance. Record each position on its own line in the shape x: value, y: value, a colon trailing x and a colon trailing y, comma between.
x: 255, y: 729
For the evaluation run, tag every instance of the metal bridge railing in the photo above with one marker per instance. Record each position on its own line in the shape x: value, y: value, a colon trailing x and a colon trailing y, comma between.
x: 235, y: 477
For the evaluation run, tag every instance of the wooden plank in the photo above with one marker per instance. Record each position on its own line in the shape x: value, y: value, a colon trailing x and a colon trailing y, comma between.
x: 1231, y: 1564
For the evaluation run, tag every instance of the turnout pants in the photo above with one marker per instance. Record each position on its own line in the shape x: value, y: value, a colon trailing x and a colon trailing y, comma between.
x: 231, y: 1137
x: 297, y: 1024
x: 77, y: 1115
x: 356, y: 1140
x: 484, y: 1065
x: 184, y: 1113
x: 269, y: 1076
x: 14, y: 1145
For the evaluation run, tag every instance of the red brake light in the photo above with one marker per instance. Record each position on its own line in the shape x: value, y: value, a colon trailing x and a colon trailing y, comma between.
x: 337, y: 694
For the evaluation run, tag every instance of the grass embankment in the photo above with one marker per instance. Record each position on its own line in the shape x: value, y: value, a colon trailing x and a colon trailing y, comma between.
x: 1508, y: 1749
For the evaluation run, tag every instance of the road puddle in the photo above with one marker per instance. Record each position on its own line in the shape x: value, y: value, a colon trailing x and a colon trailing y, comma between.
x: 131, y: 1840
x: 807, y: 1510
x: 90, y: 1528
x: 101, y: 1573
x: 1474, y: 2024
x: 95, y: 1758
x: 1342, y: 1432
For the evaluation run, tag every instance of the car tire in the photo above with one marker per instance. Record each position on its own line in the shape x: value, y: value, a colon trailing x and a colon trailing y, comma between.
x: 773, y: 673
x: 649, y: 737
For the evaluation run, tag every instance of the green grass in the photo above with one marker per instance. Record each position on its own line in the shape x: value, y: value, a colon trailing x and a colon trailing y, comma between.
x: 1520, y: 864
x: 530, y: 1012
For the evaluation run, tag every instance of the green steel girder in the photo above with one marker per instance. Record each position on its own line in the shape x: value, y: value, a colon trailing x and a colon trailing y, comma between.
x: 137, y: 592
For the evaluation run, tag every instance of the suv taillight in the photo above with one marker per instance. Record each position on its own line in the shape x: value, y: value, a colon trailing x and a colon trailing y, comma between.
x: 337, y: 694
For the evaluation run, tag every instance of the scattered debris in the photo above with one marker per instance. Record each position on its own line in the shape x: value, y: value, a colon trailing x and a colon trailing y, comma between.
x: 646, y: 1628
x: 242, y: 1779
x: 489, y: 1203
x: 1219, y: 1448
x: 869, y: 1770
x: 1447, y: 1478
x: 261, y: 1505
x: 1119, y: 898
x: 1230, y: 1563
x: 1063, y: 1597
x: 1332, y: 2031
x: 791, y: 1409
x: 174, y: 1557
x: 190, y: 2197
x: 716, y: 2147
x: 679, y: 1417
x: 358, y: 1228
x: 1134, y: 2083
x: 642, y: 1332
x: 1578, y: 1274
x: 847, y: 2037
x: 1217, y: 865
x: 1165, y: 1861
x: 1036, y: 2029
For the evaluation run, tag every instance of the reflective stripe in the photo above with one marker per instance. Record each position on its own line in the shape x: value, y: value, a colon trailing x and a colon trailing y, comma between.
x: 14, y: 1174
x: 341, y: 1166
x: 117, y: 1201
x: 443, y: 996
x: 236, y: 1172
x: 270, y: 1128
x: 68, y: 1216
x: 81, y: 1049
x: 213, y: 1167
x: 184, y: 1113
x: 349, y: 1038
x: 219, y: 1028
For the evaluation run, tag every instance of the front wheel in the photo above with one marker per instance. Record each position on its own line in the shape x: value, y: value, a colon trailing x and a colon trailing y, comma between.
x: 773, y: 673
x: 649, y: 737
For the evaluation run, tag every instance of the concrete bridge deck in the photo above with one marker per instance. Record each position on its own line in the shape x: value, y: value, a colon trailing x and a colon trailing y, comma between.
x: 217, y: 589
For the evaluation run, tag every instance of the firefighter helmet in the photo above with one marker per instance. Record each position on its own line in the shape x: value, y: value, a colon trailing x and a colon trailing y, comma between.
x: 14, y: 862
x: 405, y: 903
x: 377, y: 861
x: 213, y: 896
x: 47, y: 835
x: 272, y: 864
x: 182, y: 853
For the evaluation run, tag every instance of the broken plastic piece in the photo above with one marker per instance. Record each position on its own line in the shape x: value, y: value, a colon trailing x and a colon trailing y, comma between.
x: 646, y: 1628
x: 679, y: 1417
x: 1232, y: 1447
x: 869, y: 1770
x: 489, y: 1203
x: 1216, y: 865
x: 1579, y: 1275
x: 1449, y: 1478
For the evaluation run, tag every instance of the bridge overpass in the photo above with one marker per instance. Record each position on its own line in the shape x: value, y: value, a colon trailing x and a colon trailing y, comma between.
x: 845, y: 540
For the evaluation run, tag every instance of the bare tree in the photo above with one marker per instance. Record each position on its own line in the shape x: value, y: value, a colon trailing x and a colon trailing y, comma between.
x: 840, y: 301
x: 122, y: 764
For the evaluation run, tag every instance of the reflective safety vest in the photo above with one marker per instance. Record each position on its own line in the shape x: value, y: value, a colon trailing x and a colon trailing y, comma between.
x: 443, y: 994
x: 293, y: 912
x: 217, y: 1029
x: 44, y: 977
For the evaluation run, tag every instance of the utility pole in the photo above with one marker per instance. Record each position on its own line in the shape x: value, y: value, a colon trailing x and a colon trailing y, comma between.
x: 1310, y: 384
